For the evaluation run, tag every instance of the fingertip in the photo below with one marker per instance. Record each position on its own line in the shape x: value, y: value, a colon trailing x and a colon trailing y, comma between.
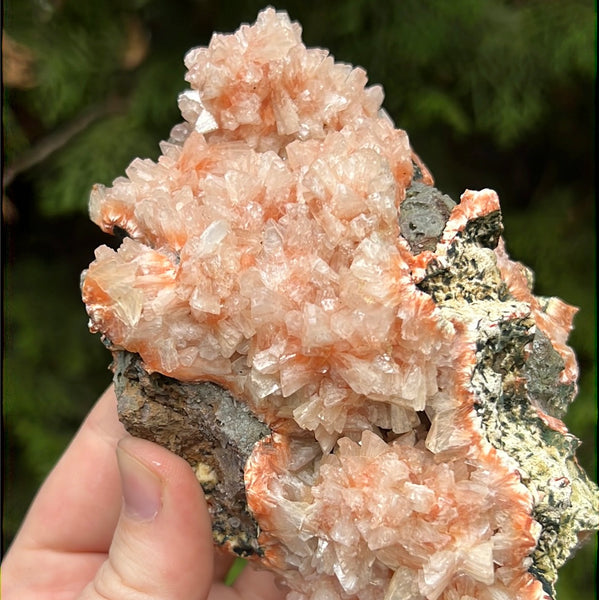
x: 141, y: 487
x: 259, y: 584
x: 155, y: 457
x: 158, y: 471
x: 162, y: 546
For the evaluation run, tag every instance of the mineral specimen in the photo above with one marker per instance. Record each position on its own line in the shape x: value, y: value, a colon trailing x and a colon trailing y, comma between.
x: 362, y: 379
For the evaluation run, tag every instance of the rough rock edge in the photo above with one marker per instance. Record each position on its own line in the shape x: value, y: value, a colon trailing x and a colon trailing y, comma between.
x: 204, y: 424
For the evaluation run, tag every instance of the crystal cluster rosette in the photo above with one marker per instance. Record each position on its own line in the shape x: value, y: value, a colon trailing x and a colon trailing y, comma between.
x: 265, y: 252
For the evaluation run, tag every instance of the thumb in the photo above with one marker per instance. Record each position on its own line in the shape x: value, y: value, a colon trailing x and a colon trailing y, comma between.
x: 162, y: 545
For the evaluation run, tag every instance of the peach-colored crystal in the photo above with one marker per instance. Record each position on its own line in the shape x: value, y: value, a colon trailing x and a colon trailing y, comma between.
x: 264, y: 253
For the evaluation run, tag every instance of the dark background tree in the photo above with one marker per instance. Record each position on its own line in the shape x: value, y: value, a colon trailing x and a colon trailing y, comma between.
x: 494, y: 93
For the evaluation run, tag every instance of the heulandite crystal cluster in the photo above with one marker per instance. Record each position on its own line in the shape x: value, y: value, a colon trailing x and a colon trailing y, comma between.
x: 362, y: 379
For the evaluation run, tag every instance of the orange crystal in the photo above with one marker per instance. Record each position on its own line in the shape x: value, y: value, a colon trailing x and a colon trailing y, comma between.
x: 264, y: 253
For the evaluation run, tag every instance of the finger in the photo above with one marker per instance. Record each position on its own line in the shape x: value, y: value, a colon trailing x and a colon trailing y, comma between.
x: 162, y: 546
x: 68, y: 528
x: 257, y: 584
x: 64, y: 516
x: 250, y: 585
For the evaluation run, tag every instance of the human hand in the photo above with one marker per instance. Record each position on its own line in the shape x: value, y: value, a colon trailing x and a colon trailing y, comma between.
x: 132, y: 525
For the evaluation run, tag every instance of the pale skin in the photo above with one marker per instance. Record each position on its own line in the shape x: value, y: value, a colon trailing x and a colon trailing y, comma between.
x: 121, y: 518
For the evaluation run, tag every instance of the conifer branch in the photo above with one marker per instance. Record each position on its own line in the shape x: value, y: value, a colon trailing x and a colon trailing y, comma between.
x: 55, y: 140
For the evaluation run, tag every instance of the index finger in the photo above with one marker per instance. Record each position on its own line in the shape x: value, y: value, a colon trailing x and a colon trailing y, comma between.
x: 77, y: 507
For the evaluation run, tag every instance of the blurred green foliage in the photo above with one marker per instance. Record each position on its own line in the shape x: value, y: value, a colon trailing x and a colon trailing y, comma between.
x: 494, y: 93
